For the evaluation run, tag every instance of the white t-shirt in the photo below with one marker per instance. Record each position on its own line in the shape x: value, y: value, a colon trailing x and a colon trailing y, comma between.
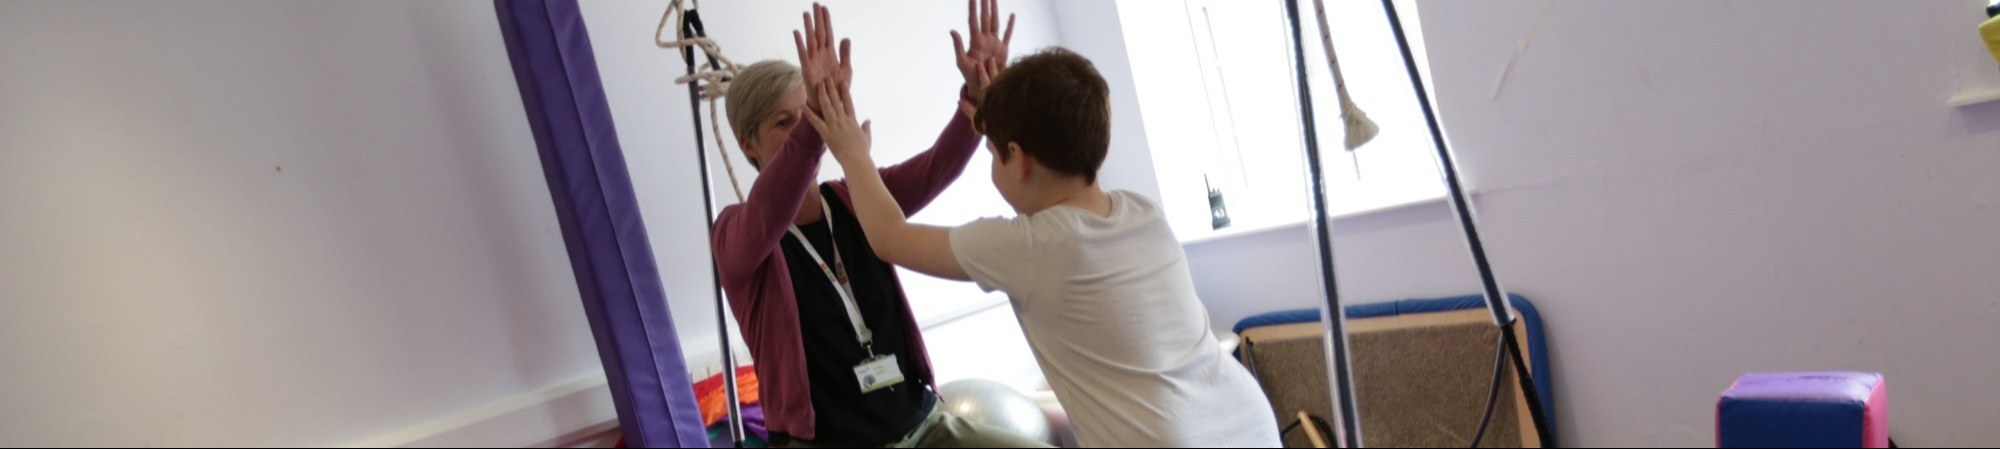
x: 1111, y: 312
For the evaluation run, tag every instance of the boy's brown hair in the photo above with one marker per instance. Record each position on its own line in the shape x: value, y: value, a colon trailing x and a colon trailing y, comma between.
x: 1055, y: 106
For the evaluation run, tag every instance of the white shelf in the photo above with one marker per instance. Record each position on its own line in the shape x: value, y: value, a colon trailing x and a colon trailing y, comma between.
x: 1975, y: 96
x: 1226, y: 234
x: 1239, y: 231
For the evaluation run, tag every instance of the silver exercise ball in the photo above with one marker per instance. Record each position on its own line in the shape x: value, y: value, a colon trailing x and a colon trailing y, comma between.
x: 995, y: 404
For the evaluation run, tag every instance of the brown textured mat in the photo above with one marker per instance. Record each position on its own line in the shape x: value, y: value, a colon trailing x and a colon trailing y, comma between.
x: 1420, y: 380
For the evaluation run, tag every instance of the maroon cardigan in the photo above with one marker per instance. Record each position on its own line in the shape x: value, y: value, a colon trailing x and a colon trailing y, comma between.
x: 746, y: 240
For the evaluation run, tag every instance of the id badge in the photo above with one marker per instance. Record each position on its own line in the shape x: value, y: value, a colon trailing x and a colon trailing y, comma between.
x: 879, y: 373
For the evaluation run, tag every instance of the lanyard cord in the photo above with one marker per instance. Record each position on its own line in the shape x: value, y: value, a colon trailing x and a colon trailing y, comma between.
x: 837, y: 275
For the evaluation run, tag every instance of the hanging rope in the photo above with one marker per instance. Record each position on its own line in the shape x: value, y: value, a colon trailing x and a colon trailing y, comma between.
x: 713, y: 83
x: 1360, y: 129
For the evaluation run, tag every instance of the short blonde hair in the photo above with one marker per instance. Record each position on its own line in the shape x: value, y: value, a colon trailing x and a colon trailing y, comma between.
x: 754, y: 93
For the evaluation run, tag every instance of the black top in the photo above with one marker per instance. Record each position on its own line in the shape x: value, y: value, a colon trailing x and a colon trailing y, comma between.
x: 845, y: 417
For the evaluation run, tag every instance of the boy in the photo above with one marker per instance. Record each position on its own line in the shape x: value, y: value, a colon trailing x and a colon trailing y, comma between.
x: 1098, y: 281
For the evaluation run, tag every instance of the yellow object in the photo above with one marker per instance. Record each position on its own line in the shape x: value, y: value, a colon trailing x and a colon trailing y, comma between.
x: 1992, y: 32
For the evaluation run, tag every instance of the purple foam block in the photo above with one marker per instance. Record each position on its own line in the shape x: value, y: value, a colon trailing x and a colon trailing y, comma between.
x: 1828, y: 409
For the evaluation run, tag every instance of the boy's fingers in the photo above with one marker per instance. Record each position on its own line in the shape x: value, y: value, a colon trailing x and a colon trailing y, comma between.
x: 819, y: 93
x: 834, y: 108
x: 817, y: 122
x: 844, y: 61
x: 837, y: 107
x: 825, y: 101
x: 847, y: 98
x: 833, y: 97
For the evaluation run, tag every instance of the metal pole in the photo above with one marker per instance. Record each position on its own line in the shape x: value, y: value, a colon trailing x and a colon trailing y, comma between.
x: 1496, y: 297
x: 692, y: 27
x: 1334, y: 315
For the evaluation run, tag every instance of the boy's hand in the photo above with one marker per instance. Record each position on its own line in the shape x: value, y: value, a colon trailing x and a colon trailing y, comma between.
x: 847, y: 139
x: 975, y: 87
x: 818, y: 64
x: 988, y: 53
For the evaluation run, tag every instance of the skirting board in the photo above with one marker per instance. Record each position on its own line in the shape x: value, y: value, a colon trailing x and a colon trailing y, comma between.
x: 548, y: 417
x: 563, y: 413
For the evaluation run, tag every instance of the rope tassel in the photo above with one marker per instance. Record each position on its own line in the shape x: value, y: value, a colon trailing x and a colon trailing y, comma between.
x: 1360, y: 129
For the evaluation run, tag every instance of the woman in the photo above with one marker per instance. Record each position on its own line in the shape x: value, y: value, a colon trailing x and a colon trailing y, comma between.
x: 839, y: 357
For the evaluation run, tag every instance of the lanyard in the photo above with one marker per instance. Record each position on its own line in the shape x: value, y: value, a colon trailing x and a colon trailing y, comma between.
x: 839, y: 279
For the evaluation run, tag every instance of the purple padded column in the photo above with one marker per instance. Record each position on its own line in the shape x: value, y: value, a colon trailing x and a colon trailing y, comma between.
x: 608, y: 250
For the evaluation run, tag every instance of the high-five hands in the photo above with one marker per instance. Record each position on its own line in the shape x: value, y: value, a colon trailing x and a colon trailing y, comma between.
x: 829, y: 75
x: 818, y: 63
x: 988, y: 53
x: 847, y: 138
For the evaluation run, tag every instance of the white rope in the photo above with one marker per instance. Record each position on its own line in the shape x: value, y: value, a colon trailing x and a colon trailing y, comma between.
x: 712, y: 84
x: 1360, y: 129
x: 728, y: 166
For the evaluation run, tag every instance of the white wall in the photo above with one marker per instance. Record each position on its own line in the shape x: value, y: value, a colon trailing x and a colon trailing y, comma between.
x: 268, y: 223
x: 1694, y: 190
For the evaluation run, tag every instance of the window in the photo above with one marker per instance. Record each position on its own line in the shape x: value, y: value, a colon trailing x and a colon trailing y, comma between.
x: 1233, y: 124
x: 1243, y: 54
